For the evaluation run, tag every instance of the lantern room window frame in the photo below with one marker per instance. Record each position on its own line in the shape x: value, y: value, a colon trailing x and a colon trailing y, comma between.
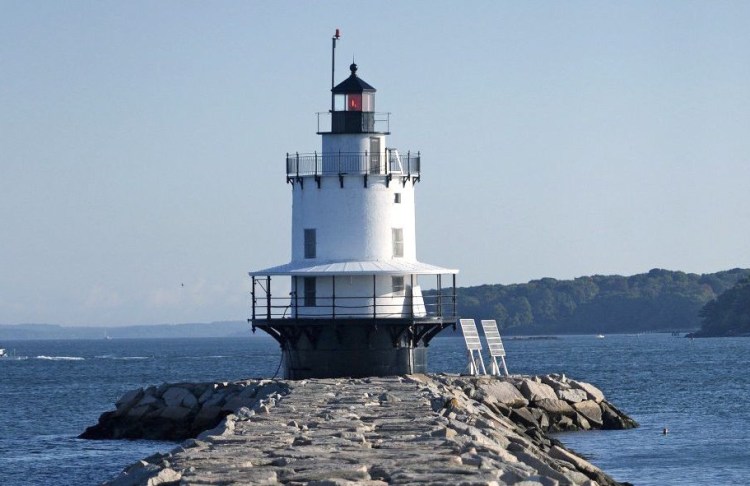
x: 364, y: 102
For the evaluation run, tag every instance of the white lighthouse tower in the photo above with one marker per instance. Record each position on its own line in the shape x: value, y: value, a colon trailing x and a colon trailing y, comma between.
x: 356, y: 306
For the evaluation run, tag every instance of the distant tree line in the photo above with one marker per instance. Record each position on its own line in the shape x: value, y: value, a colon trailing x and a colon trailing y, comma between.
x: 728, y: 314
x: 660, y: 300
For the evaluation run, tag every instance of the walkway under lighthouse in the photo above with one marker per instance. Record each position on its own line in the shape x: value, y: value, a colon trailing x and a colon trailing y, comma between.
x: 356, y: 306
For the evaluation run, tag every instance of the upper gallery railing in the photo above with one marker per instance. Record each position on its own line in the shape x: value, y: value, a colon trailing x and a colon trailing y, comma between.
x: 353, y: 163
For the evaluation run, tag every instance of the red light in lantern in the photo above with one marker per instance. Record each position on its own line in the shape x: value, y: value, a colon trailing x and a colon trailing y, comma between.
x: 354, y: 102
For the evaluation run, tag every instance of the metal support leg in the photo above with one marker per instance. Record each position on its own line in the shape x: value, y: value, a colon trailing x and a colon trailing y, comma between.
x: 505, y: 368
x: 268, y: 297
x: 481, y: 361
x: 494, y: 370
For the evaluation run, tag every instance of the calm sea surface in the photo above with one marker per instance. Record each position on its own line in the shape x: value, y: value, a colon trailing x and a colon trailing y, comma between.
x: 699, y: 389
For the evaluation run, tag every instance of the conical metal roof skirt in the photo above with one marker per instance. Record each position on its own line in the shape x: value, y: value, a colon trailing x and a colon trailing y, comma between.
x: 353, y: 84
x: 367, y: 267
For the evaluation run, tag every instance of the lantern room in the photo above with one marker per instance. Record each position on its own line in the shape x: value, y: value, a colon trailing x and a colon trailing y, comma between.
x: 354, y: 102
x: 353, y: 105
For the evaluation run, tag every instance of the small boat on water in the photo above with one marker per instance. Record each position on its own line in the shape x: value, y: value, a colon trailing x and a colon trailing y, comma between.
x: 600, y: 336
x: 3, y: 353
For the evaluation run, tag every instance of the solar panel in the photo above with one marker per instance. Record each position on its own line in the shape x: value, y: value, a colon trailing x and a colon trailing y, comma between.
x: 471, y: 335
x: 473, y: 343
x: 495, y: 343
x: 492, y: 335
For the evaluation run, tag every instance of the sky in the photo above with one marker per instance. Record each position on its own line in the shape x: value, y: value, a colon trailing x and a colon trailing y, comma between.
x: 142, y: 143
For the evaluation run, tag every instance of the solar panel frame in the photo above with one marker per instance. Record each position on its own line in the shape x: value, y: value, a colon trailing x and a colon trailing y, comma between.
x: 471, y: 334
x: 492, y: 335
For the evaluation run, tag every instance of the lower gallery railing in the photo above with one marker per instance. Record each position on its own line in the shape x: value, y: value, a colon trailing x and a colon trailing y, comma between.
x: 431, y: 306
x: 411, y: 304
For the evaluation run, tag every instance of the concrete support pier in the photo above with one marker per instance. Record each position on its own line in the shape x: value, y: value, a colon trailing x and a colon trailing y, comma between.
x: 353, y: 350
x: 396, y: 430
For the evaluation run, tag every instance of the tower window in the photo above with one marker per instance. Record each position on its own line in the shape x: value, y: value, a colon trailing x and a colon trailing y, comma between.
x: 397, y: 281
x: 397, y: 198
x: 309, y: 291
x: 398, y: 242
x: 310, y: 243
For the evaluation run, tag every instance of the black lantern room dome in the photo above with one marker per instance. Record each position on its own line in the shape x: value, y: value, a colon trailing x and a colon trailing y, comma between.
x: 353, y: 84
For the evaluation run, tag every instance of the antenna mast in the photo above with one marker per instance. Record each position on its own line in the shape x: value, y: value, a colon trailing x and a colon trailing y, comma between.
x: 333, y: 66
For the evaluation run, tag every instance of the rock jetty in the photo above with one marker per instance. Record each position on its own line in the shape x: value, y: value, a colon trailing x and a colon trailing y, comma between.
x: 437, y: 429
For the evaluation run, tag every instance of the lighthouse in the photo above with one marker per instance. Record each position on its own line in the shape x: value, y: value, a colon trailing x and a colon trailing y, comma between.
x: 353, y: 303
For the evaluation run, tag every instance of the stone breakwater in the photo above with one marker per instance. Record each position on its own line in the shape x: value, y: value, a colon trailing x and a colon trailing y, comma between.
x: 396, y: 430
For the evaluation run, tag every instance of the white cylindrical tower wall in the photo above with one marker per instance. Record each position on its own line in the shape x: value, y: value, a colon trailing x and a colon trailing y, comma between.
x: 353, y: 222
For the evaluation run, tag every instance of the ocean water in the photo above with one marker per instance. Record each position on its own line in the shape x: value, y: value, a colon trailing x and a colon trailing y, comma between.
x: 698, y: 389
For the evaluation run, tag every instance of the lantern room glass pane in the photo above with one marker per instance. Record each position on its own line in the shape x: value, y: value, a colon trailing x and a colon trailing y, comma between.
x: 339, y: 102
x: 368, y: 102
x: 354, y: 102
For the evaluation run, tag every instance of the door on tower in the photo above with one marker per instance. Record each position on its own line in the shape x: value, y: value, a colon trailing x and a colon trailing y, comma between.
x: 375, y: 163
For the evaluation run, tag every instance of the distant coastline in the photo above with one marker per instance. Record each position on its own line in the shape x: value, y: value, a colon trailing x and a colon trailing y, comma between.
x: 657, y: 301
x: 10, y: 332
